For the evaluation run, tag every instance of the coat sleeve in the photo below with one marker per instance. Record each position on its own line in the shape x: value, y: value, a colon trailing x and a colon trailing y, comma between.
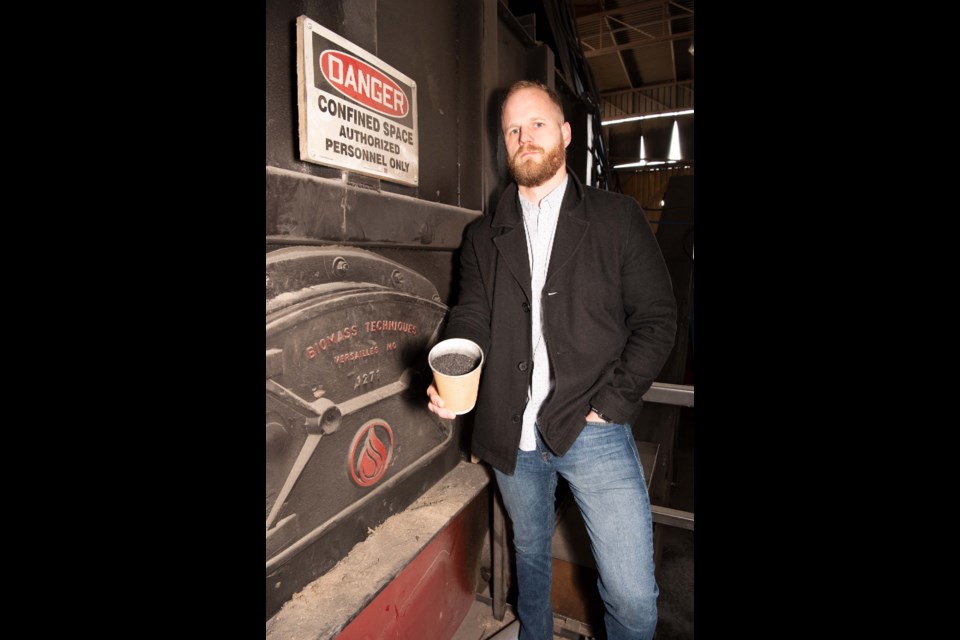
x: 650, y: 312
x: 470, y: 317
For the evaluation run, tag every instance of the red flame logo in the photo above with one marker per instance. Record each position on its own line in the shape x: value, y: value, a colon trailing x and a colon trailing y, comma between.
x: 370, y: 453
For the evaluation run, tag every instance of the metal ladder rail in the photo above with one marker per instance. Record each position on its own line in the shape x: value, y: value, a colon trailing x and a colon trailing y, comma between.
x: 680, y: 395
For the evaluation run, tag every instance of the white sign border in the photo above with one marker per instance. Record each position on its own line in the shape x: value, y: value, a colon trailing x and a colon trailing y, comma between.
x: 305, y: 80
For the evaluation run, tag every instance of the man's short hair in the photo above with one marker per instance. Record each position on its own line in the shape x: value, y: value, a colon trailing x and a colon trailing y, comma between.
x: 532, y: 84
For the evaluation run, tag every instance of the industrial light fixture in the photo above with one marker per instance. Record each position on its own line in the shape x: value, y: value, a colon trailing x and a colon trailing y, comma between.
x: 649, y: 163
x: 668, y: 114
x: 674, y: 153
x: 674, y: 156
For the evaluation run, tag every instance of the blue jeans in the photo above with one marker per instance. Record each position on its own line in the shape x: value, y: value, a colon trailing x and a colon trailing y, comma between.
x: 606, y: 479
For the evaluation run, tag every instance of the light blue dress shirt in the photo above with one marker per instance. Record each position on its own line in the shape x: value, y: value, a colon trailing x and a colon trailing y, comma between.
x: 540, y: 224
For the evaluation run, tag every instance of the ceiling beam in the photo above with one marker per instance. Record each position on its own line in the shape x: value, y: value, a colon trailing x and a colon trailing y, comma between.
x: 647, y: 100
x: 673, y: 54
x: 590, y: 52
x: 686, y: 84
x: 630, y: 6
x: 613, y: 39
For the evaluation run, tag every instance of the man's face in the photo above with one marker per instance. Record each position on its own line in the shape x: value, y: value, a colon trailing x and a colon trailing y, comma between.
x: 536, y: 137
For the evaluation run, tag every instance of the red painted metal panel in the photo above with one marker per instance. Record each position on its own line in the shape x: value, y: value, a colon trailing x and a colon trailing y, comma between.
x: 432, y: 595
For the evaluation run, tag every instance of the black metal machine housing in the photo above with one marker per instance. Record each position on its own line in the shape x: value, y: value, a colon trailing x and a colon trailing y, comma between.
x: 348, y: 441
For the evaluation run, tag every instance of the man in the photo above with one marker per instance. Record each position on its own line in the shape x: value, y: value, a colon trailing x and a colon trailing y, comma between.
x: 566, y: 291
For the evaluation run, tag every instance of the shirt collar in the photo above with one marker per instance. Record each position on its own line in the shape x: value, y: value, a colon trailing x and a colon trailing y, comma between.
x: 554, y: 198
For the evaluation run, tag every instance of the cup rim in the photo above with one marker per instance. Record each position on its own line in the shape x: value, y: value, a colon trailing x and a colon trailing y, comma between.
x: 468, y: 347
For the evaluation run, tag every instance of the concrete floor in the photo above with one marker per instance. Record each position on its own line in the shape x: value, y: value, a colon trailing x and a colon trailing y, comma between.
x: 674, y: 574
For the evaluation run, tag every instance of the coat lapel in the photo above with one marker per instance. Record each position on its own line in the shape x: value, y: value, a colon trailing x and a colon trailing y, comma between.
x: 512, y: 241
x: 512, y: 246
x: 571, y: 228
x: 566, y: 241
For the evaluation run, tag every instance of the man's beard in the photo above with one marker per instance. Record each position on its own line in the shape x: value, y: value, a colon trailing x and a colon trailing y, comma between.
x: 529, y: 172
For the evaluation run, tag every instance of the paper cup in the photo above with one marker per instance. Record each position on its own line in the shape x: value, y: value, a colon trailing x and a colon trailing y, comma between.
x: 458, y: 387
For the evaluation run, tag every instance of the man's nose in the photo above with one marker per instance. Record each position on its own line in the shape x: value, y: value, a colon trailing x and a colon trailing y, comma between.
x: 525, y: 136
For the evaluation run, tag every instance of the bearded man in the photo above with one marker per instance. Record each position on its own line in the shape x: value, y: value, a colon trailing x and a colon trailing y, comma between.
x: 566, y: 291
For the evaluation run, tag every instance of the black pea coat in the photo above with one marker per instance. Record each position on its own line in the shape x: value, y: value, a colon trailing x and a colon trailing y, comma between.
x: 609, y: 317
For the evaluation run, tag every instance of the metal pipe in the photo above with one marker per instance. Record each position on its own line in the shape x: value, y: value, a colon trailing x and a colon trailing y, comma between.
x: 666, y: 393
x: 672, y: 517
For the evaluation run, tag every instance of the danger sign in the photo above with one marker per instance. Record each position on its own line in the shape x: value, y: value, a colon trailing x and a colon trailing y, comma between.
x: 356, y: 112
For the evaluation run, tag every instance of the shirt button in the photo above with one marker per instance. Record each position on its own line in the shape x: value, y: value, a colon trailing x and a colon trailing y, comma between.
x: 522, y: 366
x: 526, y: 307
x: 516, y: 417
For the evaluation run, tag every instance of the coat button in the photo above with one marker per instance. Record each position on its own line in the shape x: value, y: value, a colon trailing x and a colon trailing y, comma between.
x: 522, y: 366
x: 517, y: 417
x: 526, y: 307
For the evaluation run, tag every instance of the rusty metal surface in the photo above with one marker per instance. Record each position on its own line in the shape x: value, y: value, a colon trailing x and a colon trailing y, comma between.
x: 328, y: 604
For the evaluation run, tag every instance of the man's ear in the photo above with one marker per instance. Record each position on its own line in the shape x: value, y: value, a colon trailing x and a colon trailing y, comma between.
x: 567, y: 136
